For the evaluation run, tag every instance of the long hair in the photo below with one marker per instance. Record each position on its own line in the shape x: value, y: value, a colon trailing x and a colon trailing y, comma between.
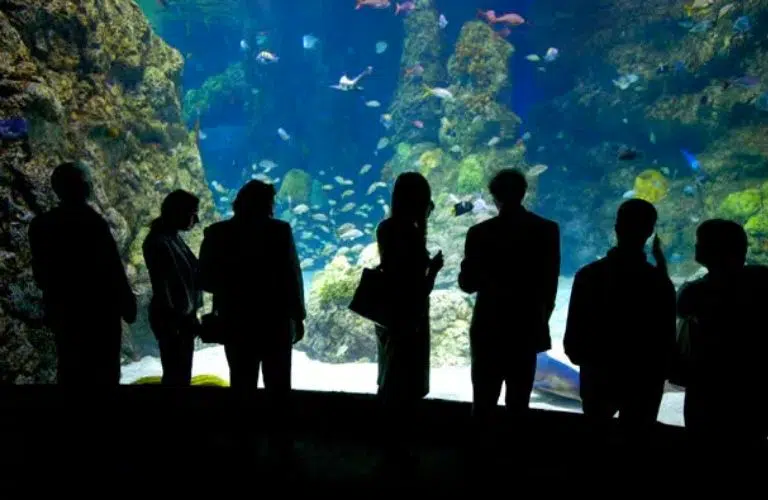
x: 412, y: 200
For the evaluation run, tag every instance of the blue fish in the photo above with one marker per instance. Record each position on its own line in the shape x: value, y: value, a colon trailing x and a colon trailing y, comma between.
x: 692, y: 161
x: 13, y: 128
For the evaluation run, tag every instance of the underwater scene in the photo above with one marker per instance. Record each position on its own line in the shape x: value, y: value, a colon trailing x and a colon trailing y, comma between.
x: 596, y: 101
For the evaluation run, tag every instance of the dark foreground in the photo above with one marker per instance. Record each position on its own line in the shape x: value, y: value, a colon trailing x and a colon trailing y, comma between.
x: 196, y: 435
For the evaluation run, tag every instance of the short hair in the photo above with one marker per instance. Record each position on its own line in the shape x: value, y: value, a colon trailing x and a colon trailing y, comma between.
x: 723, y: 238
x: 255, y: 198
x: 636, y: 218
x: 509, y: 186
x: 71, y: 181
x: 179, y: 203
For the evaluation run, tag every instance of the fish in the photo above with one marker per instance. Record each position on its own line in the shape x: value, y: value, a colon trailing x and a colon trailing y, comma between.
x: 494, y: 140
x: 404, y: 7
x: 244, y: 45
x: 383, y: 143
x: 442, y: 22
x: 307, y: 263
x: 373, y: 104
x: 626, y: 153
x: 418, y: 123
x: 533, y: 58
x: 320, y: 217
x: 327, y: 187
x: 511, y: 19
x: 266, y: 57
x: 376, y: 4
x: 352, y: 234
x: 438, y: 92
x: 628, y: 194
x: 347, y: 84
x: 283, y: 134
x: 551, y: 55
x: 381, y: 47
x: 332, y: 203
x: 300, y: 209
x: 309, y: 41
x: 348, y: 192
x: 375, y: 186
x: 366, y: 168
x: 725, y: 10
x: 348, y: 207
x: 386, y: 120
x: 691, y: 160
x: 267, y: 165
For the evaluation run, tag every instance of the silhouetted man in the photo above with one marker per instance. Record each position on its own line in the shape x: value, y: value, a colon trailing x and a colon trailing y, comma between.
x: 77, y: 265
x: 726, y: 371
x: 512, y: 261
x: 251, y: 266
x: 621, y: 325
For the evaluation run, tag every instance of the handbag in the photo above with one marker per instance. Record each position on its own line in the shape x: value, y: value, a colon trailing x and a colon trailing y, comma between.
x: 372, y: 298
x: 213, y: 328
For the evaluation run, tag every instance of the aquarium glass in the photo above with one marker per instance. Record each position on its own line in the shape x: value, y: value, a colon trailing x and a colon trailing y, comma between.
x: 596, y: 101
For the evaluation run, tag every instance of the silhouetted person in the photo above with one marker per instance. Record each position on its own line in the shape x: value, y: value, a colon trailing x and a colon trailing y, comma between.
x: 251, y: 266
x: 77, y: 265
x: 404, y: 347
x: 512, y: 261
x: 726, y: 371
x: 621, y: 326
x: 176, y: 294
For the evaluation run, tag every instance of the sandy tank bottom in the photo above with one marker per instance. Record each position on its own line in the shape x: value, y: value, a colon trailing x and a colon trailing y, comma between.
x: 450, y: 383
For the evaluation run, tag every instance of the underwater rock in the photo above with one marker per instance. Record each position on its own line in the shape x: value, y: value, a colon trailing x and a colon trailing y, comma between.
x: 740, y: 206
x: 94, y: 84
x: 421, y: 49
x: 216, y: 92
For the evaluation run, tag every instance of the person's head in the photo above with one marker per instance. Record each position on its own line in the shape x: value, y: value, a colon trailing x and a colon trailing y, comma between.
x: 180, y: 210
x: 508, y: 188
x: 412, y: 198
x: 635, y: 223
x: 255, y: 199
x: 71, y: 183
x: 721, y: 245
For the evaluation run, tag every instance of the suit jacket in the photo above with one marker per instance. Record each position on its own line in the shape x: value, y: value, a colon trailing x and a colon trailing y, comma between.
x: 77, y: 265
x: 252, y: 269
x: 512, y: 261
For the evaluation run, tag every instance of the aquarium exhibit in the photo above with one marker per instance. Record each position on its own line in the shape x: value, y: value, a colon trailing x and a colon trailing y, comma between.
x: 596, y: 101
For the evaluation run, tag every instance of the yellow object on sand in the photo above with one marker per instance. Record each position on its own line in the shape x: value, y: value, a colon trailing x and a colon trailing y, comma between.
x: 197, y: 380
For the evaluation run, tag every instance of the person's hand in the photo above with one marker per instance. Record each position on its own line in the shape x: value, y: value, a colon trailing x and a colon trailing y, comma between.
x: 437, y: 263
x: 298, y: 331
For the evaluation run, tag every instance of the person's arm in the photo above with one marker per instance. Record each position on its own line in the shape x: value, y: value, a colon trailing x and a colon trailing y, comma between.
x: 577, y: 327
x: 207, y: 264
x: 126, y: 297
x: 686, y: 301
x: 164, y: 275
x: 552, y: 261
x: 298, y: 309
x: 469, y: 280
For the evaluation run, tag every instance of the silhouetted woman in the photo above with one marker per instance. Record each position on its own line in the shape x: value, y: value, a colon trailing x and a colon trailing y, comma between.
x: 176, y: 296
x: 403, y: 348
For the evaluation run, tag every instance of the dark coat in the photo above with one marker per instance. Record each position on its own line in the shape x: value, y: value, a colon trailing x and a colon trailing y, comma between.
x: 252, y: 269
x: 173, y: 271
x: 77, y: 265
x: 621, y: 319
x: 512, y: 261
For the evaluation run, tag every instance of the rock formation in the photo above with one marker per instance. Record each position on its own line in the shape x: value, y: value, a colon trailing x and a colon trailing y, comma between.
x: 93, y: 83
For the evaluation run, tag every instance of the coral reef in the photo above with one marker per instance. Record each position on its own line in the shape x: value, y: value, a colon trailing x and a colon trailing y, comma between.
x: 421, y: 49
x: 94, y: 84
x: 217, y: 91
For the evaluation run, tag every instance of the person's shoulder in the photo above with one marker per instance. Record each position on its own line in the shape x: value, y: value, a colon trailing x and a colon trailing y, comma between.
x: 591, y: 270
x: 485, y: 227
x: 543, y: 222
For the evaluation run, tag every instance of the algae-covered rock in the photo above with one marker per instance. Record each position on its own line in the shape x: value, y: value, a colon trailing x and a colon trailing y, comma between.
x: 471, y: 177
x: 216, y: 92
x: 651, y: 185
x: 297, y: 184
x: 740, y: 206
x: 94, y: 84
x: 421, y: 49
